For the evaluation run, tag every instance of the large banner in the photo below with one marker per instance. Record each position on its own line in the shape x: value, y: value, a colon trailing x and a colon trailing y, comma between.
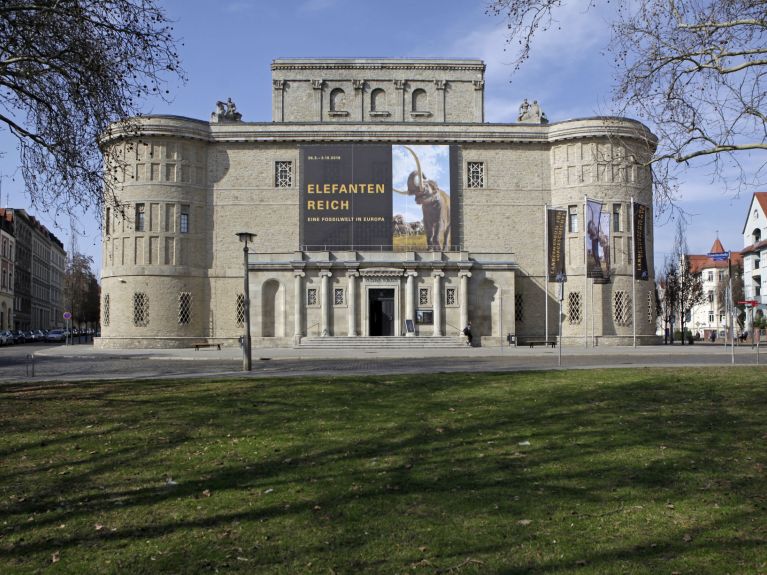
x: 556, y: 222
x: 597, y: 241
x: 640, y: 242
x: 377, y: 197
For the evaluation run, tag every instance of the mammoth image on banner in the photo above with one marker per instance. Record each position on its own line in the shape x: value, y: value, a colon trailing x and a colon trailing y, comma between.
x: 376, y: 197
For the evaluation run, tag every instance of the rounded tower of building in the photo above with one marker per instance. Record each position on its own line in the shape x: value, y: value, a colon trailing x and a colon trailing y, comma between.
x: 155, y: 247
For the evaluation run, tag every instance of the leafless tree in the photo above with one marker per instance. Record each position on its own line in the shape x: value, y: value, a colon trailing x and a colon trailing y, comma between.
x: 694, y: 70
x: 68, y: 69
x: 689, y: 288
x: 81, y: 290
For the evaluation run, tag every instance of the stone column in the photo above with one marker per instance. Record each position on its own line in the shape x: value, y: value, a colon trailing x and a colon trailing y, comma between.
x: 479, y: 101
x: 298, y: 305
x: 317, y: 87
x: 410, y: 298
x: 359, y: 100
x: 399, y: 101
x: 441, y: 85
x: 436, y: 298
x: 278, y: 100
x: 351, y: 298
x: 325, y: 302
x: 464, y: 275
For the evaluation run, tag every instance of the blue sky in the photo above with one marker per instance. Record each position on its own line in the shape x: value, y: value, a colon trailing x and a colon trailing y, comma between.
x: 228, y: 46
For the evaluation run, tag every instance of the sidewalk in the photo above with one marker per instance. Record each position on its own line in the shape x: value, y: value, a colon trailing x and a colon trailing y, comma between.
x: 235, y: 353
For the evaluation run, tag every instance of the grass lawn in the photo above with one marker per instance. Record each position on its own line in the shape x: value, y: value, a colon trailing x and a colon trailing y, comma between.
x: 601, y: 471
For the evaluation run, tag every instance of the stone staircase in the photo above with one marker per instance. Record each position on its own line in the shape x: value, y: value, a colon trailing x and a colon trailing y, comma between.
x: 346, y: 342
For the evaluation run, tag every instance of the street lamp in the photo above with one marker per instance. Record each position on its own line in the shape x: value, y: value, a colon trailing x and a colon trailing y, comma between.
x: 246, y: 237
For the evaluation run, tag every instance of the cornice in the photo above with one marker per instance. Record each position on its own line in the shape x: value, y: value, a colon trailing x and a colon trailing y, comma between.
x: 393, y: 64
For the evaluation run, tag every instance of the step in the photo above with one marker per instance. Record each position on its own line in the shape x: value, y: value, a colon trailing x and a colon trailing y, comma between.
x: 383, y: 342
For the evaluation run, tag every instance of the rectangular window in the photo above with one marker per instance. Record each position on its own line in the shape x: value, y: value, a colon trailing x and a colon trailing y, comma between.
x: 650, y: 300
x: 338, y: 296
x: 475, y: 175
x: 184, y: 307
x: 105, y: 311
x: 107, y: 221
x: 311, y: 296
x: 710, y: 295
x: 239, y: 310
x: 184, y: 220
x: 140, y: 217
x: 621, y: 308
x: 710, y: 277
x: 721, y: 276
x: 617, y: 220
x: 423, y: 296
x: 711, y: 317
x: 283, y: 174
x: 450, y: 296
x: 424, y: 317
x: 572, y: 219
x: 574, y: 308
x: 140, y: 309
x: 519, y: 307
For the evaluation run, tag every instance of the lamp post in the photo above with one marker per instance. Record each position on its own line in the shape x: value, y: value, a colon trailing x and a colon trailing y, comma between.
x: 246, y: 237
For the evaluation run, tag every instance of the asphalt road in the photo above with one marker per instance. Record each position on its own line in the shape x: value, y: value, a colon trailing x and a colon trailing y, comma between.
x: 55, y: 362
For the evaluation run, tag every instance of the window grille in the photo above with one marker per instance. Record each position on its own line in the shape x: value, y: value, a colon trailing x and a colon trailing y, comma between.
x: 574, y: 304
x: 140, y: 309
x: 621, y: 308
x: 423, y: 296
x: 450, y: 296
x: 239, y: 310
x: 338, y: 296
x: 476, y: 174
x: 311, y: 296
x: 105, y: 314
x: 519, y: 307
x: 283, y: 174
x: 184, y: 307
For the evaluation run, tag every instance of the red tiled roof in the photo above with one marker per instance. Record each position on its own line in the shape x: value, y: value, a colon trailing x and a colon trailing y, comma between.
x: 762, y: 199
x: 717, y: 247
x: 699, y: 263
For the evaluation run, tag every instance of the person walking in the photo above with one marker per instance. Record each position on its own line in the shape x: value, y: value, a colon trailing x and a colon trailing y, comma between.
x: 467, y: 333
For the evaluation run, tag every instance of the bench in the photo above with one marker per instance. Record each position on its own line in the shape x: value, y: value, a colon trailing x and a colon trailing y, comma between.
x: 549, y: 342
x: 197, y: 346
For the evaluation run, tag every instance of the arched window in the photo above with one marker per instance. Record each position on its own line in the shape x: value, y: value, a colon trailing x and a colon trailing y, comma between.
x: 757, y: 233
x: 377, y: 100
x: 419, y: 100
x: 337, y: 100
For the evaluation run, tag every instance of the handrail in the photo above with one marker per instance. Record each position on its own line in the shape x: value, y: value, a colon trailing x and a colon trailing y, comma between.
x: 308, y: 329
x: 375, y: 248
x: 458, y: 329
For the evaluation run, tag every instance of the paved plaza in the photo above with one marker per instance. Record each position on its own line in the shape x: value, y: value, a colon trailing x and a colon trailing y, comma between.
x: 82, y: 362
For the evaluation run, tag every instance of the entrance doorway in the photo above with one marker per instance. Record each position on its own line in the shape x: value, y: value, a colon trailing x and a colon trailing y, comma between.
x: 381, y: 306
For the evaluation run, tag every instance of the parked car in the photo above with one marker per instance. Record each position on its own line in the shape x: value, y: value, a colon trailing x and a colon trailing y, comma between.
x: 18, y: 336
x: 6, y: 338
x: 56, y: 335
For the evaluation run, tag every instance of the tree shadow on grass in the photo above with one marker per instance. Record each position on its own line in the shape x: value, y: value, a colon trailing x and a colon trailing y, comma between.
x: 453, y: 463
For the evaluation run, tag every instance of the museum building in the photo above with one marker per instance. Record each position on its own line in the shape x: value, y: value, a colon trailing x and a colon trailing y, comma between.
x: 384, y: 206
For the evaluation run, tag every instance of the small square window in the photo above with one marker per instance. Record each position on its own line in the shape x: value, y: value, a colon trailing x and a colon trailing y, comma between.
x: 184, y: 220
x: 311, y: 296
x: 283, y: 174
x: 450, y: 296
x: 423, y: 296
x: 572, y: 219
x: 475, y: 172
x: 338, y: 296
x: 139, y: 217
x: 617, y: 219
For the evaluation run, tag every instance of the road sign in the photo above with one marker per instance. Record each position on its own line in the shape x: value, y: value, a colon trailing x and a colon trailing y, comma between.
x: 719, y: 256
x: 67, y: 315
x: 672, y: 319
x: 749, y: 302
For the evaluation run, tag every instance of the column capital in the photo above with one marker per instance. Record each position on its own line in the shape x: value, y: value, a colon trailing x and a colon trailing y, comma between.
x: 479, y: 84
x: 411, y: 274
x: 278, y: 84
x: 464, y: 274
x: 358, y: 84
x: 399, y: 84
x: 440, y: 84
x: 352, y: 273
x: 317, y: 84
x: 326, y: 273
x: 299, y: 274
x: 437, y: 274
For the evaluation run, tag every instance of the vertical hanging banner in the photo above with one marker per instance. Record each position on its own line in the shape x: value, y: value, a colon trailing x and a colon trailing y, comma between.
x: 557, y: 220
x: 640, y: 234
x: 597, y: 241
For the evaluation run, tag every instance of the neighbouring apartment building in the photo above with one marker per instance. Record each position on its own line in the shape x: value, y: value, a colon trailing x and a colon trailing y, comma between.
x: 39, y: 265
x: 7, y: 251
x: 384, y: 206
x: 755, y: 254
x: 711, y: 316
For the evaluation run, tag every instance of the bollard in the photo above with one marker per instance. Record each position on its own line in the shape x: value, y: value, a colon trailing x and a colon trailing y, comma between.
x: 30, y: 364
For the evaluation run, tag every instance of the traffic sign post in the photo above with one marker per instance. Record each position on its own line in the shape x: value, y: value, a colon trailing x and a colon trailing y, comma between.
x: 68, y: 319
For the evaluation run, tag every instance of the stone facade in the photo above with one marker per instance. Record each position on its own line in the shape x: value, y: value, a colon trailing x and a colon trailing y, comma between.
x: 173, y: 267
